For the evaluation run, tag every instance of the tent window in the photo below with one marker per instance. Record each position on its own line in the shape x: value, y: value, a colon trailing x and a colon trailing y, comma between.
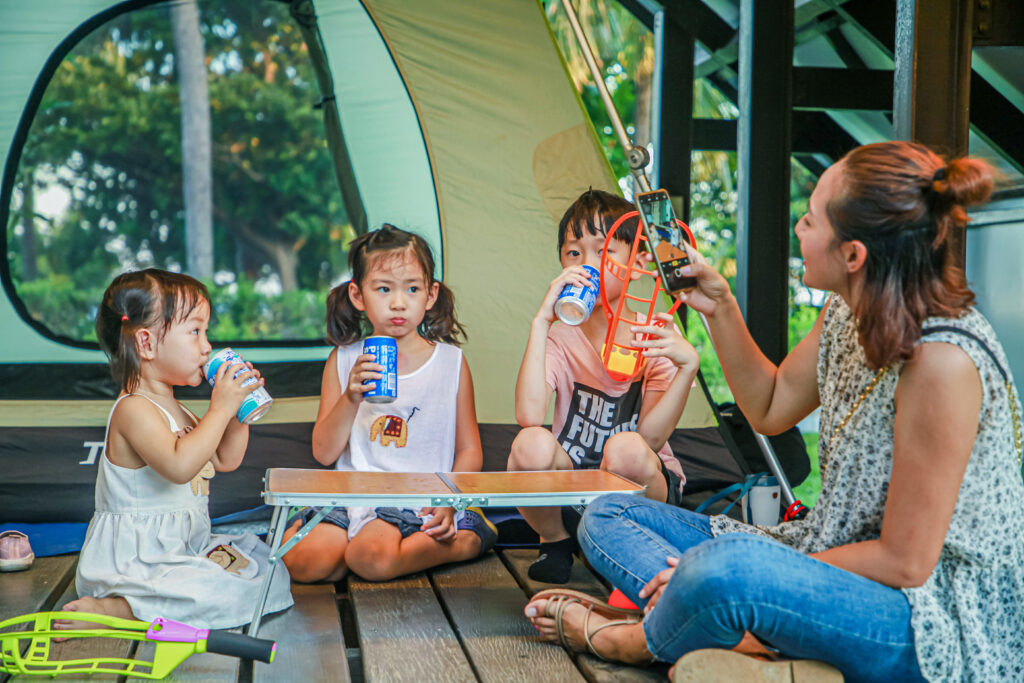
x: 249, y: 204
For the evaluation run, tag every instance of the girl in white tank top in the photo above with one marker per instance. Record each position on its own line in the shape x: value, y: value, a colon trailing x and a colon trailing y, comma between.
x: 148, y: 551
x: 430, y: 427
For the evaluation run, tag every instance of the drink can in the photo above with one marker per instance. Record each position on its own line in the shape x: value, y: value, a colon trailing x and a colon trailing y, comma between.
x: 576, y: 303
x: 257, y: 403
x: 385, y: 350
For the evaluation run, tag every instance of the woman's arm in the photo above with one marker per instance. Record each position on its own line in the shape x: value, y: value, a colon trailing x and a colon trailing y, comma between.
x: 469, y: 455
x: 773, y: 398
x: 938, y: 401
x: 335, y: 416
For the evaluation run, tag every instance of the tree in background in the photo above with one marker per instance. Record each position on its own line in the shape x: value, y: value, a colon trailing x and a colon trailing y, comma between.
x: 197, y: 181
x: 109, y: 133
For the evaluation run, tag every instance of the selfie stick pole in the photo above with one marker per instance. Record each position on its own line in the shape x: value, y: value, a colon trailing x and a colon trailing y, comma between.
x: 638, y: 158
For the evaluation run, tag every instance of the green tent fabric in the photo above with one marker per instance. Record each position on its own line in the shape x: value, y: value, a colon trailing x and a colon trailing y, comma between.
x: 460, y: 123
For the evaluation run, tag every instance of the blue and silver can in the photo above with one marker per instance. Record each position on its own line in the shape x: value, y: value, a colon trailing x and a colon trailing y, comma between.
x: 575, y: 303
x: 385, y: 349
x: 257, y: 403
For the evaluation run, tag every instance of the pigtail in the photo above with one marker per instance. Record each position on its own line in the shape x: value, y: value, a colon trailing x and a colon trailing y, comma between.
x: 440, y: 323
x: 346, y: 324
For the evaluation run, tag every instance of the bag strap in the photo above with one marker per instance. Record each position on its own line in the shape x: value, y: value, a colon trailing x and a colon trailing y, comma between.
x: 1010, y: 391
x: 743, y: 489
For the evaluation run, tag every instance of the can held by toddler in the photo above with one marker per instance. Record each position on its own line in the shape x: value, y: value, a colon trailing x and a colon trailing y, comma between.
x: 257, y: 403
x: 576, y: 303
x: 385, y: 349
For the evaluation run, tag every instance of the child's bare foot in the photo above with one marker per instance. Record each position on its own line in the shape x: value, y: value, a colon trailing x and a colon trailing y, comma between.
x: 111, y: 607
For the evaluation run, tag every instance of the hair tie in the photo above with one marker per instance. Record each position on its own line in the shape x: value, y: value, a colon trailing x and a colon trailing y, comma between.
x: 940, y: 174
x: 124, y: 318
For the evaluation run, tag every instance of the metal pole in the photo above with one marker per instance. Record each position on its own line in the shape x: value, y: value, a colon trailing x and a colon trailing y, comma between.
x: 637, y: 157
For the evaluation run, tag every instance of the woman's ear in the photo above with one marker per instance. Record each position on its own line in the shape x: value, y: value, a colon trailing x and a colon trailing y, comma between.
x: 855, y: 255
x: 432, y: 294
x: 356, y: 296
x: 145, y: 343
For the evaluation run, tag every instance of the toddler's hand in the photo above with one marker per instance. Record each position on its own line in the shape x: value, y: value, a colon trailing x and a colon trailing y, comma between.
x: 365, y: 368
x: 572, y: 275
x: 228, y: 392
x: 666, y: 341
x: 439, y: 527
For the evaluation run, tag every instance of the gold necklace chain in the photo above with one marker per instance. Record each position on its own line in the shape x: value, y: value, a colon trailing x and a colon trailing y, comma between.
x: 856, y: 404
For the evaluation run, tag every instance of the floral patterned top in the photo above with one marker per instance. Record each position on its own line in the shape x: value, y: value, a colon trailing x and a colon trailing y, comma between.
x: 968, y: 617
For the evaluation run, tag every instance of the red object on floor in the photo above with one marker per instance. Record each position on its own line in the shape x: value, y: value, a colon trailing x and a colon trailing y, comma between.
x: 619, y: 599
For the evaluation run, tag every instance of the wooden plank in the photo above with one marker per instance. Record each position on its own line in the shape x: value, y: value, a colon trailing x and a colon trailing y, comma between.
x: 83, y: 648
x: 486, y: 608
x: 598, y: 671
x: 37, y: 588
x: 403, y: 633
x: 582, y: 579
x: 310, y: 646
x: 206, y: 667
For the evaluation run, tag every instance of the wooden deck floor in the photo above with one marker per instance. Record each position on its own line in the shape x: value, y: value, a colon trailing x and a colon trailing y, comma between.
x: 457, y: 623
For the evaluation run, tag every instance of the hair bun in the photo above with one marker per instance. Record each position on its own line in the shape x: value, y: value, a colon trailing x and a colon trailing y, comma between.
x: 967, y: 180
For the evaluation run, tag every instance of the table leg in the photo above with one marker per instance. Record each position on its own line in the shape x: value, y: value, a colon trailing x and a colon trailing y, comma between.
x: 278, y: 521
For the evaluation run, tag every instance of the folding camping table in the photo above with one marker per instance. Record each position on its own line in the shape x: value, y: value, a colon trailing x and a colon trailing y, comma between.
x: 328, y: 489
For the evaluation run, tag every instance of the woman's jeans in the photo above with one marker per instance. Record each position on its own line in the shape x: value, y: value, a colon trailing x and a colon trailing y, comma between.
x: 724, y: 586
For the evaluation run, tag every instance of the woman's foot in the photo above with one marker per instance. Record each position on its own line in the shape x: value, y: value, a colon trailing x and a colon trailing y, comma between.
x: 581, y: 627
x: 111, y: 607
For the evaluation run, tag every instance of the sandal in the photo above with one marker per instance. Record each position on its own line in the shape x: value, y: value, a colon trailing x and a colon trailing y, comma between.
x: 591, y: 601
x: 558, y: 600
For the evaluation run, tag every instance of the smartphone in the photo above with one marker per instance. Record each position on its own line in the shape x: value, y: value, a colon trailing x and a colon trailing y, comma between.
x: 665, y: 239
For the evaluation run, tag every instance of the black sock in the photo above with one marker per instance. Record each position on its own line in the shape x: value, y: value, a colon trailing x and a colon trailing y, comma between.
x: 555, y: 562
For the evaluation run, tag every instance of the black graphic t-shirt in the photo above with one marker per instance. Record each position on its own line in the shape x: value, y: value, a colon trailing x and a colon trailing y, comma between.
x: 590, y: 406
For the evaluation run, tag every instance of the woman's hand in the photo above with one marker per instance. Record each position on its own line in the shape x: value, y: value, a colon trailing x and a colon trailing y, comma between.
x: 439, y: 527
x: 665, y: 340
x: 712, y: 289
x: 572, y: 275
x: 365, y: 368
x: 656, y: 586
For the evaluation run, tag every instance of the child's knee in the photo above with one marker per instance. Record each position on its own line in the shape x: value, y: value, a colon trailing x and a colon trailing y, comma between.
x: 533, y: 448
x: 316, y: 556
x: 373, y: 561
x: 629, y: 455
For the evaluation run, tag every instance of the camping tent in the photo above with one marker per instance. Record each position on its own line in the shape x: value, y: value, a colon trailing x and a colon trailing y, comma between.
x: 458, y: 121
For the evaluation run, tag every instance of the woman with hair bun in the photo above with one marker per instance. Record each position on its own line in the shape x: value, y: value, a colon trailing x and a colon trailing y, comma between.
x: 911, y: 564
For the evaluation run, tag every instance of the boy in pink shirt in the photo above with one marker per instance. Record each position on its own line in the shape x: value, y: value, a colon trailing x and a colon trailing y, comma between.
x: 619, y: 426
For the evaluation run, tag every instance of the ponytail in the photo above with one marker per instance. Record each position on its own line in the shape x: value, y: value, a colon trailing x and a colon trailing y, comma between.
x: 440, y: 323
x: 346, y: 324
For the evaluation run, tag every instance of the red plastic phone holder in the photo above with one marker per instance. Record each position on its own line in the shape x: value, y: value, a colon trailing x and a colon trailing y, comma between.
x: 624, y: 361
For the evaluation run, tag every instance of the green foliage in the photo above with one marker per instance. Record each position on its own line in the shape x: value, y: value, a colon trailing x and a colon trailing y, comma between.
x: 809, y: 490
x: 108, y: 133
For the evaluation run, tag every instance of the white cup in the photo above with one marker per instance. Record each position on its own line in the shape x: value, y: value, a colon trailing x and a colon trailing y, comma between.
x: 761, y: 504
